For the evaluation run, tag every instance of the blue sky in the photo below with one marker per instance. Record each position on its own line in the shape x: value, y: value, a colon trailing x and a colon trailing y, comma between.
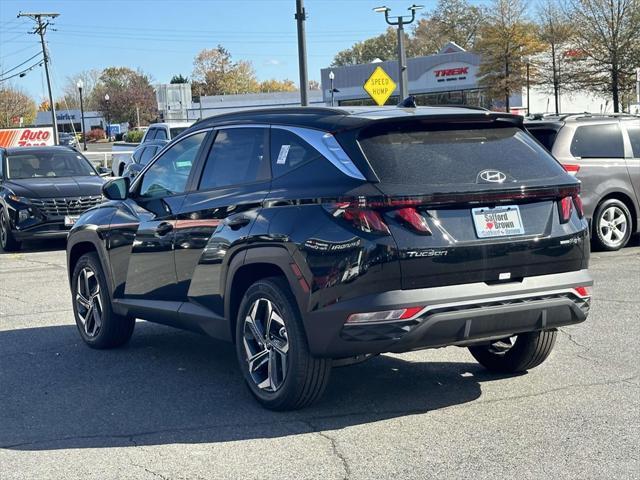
x: 162, y: 36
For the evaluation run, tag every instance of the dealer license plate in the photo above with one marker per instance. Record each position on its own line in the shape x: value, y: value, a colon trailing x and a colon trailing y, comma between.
x: 498, y: 221
x: 69, y: 220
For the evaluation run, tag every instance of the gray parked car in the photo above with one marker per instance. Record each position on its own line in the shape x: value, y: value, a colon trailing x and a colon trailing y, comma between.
x: 603, y: 152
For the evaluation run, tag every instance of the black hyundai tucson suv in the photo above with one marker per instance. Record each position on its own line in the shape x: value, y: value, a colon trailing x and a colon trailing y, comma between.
x: 316, y: 236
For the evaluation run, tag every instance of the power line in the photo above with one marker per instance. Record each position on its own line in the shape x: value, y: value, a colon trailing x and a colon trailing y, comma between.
x: 23, y: 72
x: 20, y: 64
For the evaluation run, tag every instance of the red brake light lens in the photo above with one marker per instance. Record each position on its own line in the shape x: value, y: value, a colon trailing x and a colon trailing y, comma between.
x: 577, y: 201
x: 566, y: 207
x: 414, y: 219
x: 571, y: 168
x: 364, y: 219
x: 583, y: 292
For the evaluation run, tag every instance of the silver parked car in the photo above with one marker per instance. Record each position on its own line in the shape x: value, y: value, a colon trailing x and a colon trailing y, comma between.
x: 603, y: 152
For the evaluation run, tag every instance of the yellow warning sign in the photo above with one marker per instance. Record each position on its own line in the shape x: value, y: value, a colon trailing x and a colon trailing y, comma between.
x: 379, y: 86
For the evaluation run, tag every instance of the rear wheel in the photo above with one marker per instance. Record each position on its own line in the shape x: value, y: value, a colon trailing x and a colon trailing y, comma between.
x: 611, y: 225
x: 517, y: 353
x: 272, y: 349
x: 99, y: 326
x: 7, y: 240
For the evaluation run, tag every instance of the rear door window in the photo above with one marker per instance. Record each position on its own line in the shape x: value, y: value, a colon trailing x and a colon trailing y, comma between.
x: 161, y: 134
x: 148, y: 154
x: 238, y: 156
x: 634, y: 136
x: 453, y: 157
x: 598, y: 141
x: 151, y: 134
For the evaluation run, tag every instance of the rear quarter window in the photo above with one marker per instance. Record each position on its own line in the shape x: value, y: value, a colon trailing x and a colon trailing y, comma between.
x: 598, y: 141
x: 450, y: 157
x: 634, y: 137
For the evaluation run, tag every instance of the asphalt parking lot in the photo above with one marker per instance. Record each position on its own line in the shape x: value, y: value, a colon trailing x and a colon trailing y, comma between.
x: 172, y: 405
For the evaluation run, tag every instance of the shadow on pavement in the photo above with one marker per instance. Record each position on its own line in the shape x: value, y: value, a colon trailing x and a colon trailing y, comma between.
x: 31, y: 246
x: 169, y: 386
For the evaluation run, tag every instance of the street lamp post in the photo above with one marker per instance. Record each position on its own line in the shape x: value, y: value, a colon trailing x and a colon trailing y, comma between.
x: 528, y: 87
x: 400, y: 22
x: 84, y: 135
x: 106, y: 100
x: 331, y: 77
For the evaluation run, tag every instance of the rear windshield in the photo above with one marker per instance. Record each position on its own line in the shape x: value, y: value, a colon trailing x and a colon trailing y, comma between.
x: 453, y: 157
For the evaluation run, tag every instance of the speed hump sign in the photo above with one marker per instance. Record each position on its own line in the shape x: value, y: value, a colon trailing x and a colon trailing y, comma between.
x: 379, y: 86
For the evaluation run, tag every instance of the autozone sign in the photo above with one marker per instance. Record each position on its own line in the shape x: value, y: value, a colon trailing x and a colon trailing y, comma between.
x: 26, y: 137
x: 451, y: 72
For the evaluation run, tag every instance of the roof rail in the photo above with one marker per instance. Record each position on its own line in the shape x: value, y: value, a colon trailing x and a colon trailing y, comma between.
x: 457, y: 105
x: 578, y: 116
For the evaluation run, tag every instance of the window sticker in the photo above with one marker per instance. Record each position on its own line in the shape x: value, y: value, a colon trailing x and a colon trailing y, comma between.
x: 282, y: 156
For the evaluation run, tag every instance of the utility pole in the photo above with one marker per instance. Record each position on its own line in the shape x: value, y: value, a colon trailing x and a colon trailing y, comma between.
x: 301, y: 16
x: 528, y: 90
x: 400, y: 22
x: 41, y: 29
x: 84, y: 133
x: 638, y: 86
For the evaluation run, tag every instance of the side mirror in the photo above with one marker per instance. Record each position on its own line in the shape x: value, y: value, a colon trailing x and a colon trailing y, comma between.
x: 116, y: 189
x: 102, y: 171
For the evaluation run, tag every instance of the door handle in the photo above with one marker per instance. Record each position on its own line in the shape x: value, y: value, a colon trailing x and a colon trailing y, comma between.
x: 238, y: 222
x: 164, y: 228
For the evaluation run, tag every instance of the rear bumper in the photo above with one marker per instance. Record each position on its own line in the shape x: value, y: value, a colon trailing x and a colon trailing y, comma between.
x: 452, y: 315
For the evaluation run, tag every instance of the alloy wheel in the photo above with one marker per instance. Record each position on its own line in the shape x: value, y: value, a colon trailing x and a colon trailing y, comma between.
x: 613, y: 226
x: 266, y: 346
x: 88, y: 302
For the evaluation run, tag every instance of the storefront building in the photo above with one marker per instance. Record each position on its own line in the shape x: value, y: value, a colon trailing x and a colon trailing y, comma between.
x: 449, y: 77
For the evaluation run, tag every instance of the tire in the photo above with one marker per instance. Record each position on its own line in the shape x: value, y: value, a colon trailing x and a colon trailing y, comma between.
x: 108, y: 330
x: 285, y: 376
x: 612, y: 224
x: 8, y: 243
x: 527, y: 351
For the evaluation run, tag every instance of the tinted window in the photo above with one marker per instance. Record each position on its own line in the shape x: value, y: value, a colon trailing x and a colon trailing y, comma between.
x: 289, y: 151
x: 148, y: 154
x: 151, y: 134
x: 449, y: 157
x: 161, y: 134
x: 48, y: 163
x: 634, y: 136
x: 137, y: 154
x: 169, y: 174
x: 546, y: 136
x: 175, y: 131
x: 238, y: 156
x: 598, y: 141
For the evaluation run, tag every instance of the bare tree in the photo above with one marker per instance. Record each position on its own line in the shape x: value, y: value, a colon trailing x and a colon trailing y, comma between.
x: 71, y: 96
x: 608, y: 45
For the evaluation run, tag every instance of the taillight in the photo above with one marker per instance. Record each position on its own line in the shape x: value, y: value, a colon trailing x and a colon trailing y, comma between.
x: 571, y: 168
x: 414, y: 219
x: 384, y: 316
x: 365, y: 219
x: 565, y: 209
x: 577, y: 201
x: 583, y: 292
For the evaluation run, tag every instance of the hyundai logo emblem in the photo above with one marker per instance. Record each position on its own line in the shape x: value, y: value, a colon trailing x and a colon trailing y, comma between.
x: 492, y: 176
x: 72, y: 203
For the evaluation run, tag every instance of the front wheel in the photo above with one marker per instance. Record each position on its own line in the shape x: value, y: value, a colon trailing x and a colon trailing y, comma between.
x: 7, y: 240
x: 272, y: 349
x: 99, y: 326
x: 518, y: 353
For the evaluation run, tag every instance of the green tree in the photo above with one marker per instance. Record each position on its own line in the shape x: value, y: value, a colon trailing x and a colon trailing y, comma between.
x: 274, y: 85
x: 506, y: 40
x: 450, y: 21
x: 607, y: 43
x: 383, y: 46
x: 128, y: 91
x: 179, y: 79
x: 14, y: 104
x: 215, y: 73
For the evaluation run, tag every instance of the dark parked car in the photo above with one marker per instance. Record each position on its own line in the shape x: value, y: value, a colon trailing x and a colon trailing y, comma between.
x: 310, y: 236
x: 603, y: 152
x: 43, y: 191
x: 68, y: 140
x: 141, y: 156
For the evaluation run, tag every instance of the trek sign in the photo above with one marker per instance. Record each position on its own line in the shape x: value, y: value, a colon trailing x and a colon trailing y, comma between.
x: 379, y: 86
x: 451, y: 72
